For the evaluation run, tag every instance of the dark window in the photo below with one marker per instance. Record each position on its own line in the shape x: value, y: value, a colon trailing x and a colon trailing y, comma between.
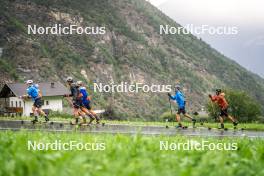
x: 16, y: 104
x: 20, y: 104
x: 47, y: 102
x: 12, y: 104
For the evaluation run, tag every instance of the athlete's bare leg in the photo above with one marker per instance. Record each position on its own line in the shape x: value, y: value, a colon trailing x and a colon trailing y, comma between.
x: 76, y: 113
x: 188, y: 116
x: 84, y: 113
x: 35, y: 113
x: 95, y: 115
x: 87, y: 112
x: 231, y: 118
x: 33, y: 109
x: 41, y: 112
x: 221, y: 121
x: 178, y: 118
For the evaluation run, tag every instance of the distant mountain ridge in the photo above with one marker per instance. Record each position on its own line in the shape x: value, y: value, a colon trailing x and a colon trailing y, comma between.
x: 246, y: 47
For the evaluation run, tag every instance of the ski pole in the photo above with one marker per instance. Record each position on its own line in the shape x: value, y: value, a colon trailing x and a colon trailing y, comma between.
x: 214, y: 112
x: 171, y: 111
x: 170, y: 106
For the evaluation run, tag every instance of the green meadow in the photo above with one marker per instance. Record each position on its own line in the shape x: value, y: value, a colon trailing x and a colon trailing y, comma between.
x: 128, y: 155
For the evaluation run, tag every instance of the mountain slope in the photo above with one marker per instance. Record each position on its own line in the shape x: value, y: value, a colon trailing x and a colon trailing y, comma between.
x: 132, y: 50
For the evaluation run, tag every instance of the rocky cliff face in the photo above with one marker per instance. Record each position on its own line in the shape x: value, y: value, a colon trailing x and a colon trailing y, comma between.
x: 131, y: 50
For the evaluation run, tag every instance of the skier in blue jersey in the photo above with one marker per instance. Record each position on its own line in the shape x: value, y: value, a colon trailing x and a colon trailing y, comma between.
x: 34, y: 93
x: 86, y: 103
x: 180, y: 100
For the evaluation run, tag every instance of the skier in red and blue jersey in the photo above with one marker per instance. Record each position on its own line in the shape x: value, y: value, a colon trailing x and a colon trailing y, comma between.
x: 180, y: 99
x: 86, y: 103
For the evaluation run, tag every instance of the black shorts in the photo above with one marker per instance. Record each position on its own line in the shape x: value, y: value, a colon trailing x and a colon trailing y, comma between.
x: 37, y: 103
x: 77, y: 104
x: 87, y: 106
x: 181, y: 110
x: 224, y: 112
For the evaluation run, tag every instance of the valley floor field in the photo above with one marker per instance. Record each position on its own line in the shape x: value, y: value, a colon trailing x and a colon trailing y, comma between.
x: 128, y: 155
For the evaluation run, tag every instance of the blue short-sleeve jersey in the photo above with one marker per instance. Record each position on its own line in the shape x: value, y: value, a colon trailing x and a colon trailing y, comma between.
x: 180, y: 99
x: 33, y: 92
x: 85, y: 95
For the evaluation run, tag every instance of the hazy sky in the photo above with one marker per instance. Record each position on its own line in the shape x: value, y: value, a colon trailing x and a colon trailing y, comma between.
x: 247, y: 47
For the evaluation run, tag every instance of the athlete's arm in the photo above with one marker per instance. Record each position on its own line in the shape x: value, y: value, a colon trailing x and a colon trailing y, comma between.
x: 172, y: 97
x: 89, y: 98
x: 39, y: 93
x: 213, y: 98
x: 80, y: 95
x: 26, y: 95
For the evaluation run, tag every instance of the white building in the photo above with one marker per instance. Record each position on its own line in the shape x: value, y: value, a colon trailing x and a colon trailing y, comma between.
x: 52, y: 96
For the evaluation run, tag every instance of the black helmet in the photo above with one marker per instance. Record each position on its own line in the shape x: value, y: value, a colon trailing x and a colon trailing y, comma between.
x: 218, y: 90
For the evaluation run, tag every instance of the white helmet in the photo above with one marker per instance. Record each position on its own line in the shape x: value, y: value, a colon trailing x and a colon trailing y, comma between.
x: 29, y: 82
x: 69, y: 79
x: 178, y: 87
x: 79, y: 83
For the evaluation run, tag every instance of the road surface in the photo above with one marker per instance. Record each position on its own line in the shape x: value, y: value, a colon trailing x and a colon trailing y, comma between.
x: 127, y: 129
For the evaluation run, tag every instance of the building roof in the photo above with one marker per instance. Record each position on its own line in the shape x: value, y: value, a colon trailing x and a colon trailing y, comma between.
x: 47, y: 89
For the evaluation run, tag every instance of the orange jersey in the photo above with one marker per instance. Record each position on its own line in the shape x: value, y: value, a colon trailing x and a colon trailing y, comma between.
x: 220, y: 100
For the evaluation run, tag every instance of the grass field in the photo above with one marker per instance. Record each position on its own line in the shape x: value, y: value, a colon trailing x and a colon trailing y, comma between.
x: 127, y: 155
x: 246, y: 126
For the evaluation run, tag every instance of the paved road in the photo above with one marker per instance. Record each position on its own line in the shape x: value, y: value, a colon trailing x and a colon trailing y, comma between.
x: 127, y: 129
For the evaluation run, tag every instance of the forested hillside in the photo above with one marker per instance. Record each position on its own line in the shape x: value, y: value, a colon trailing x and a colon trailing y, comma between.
x: 132, y: 50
